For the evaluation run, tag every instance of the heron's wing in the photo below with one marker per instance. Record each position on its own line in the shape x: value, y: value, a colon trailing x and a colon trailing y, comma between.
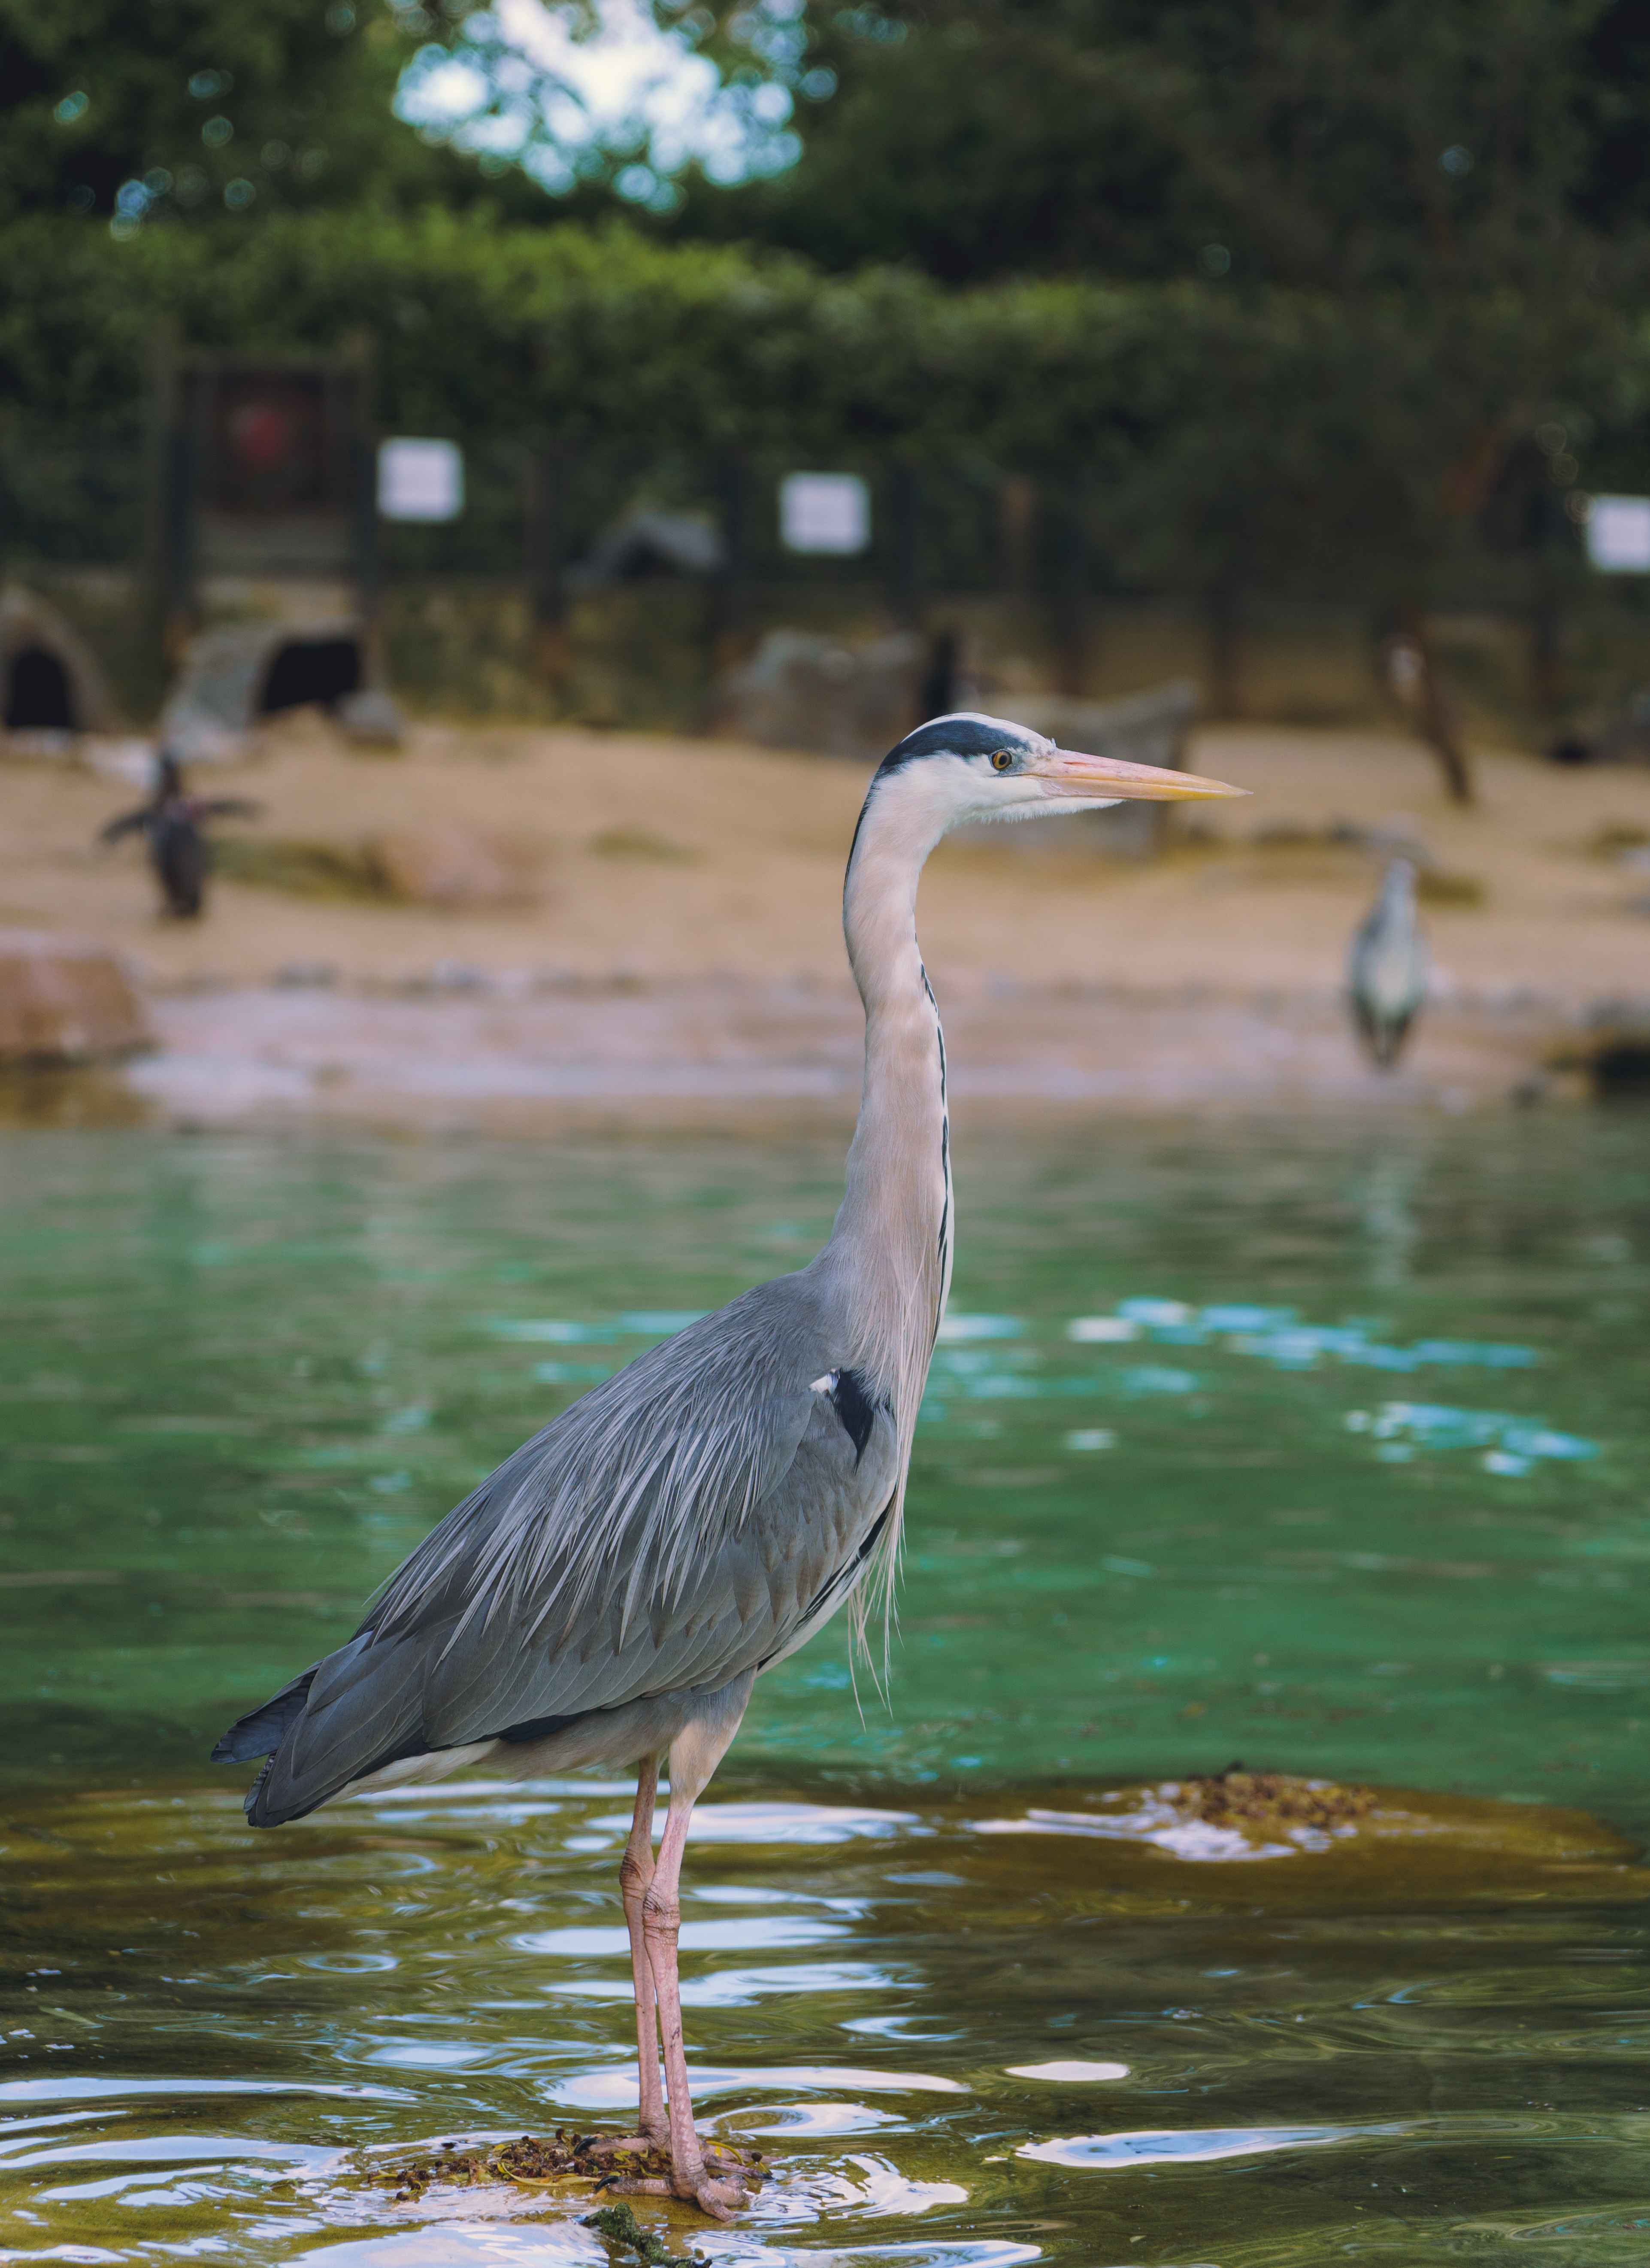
x: 676, y: 1527
x: 128, y: 823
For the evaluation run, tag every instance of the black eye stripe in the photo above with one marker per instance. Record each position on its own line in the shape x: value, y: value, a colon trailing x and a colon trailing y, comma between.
x: 950, y: 736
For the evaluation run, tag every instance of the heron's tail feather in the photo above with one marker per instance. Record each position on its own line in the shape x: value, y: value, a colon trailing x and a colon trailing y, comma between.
x: 260, y: 1731
x: 360, y: 1709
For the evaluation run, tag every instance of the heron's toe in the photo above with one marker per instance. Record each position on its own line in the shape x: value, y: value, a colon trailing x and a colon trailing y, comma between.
x: 719, y: 2198
x: 630, y: 2145
x: 727, y: 2164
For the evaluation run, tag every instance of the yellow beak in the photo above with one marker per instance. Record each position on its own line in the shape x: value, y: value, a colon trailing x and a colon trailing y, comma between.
x: 1066, y: 773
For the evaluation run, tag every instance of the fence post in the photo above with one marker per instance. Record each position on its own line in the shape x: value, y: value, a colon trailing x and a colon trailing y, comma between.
x: 726, y: 594
x: 352, y: 387
x: 177, y: 541
x: 544, y: 545
x: 1069, y: 609
x: 1017, y: 534
x: 1223, y: 643
x: 170, y: 515
x: 1547, y: 687
x: 905, y: 550
x: 367, y: 560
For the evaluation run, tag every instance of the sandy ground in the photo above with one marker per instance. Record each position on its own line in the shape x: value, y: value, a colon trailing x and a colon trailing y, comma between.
x: 682, y: 936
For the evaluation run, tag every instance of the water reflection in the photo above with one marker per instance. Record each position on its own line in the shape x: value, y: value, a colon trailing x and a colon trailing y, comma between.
x: 1386, y: 1200
x: 1168, y: 2146
x: 182, y: 2088
x: 954, y: 1959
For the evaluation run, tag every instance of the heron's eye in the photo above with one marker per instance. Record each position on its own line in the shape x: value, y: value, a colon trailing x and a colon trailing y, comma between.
x: 1002, y: 760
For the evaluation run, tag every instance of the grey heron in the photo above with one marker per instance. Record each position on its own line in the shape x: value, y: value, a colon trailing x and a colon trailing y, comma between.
x: 177, y: 850
x: 612, y: 1591
x: 1386, y: 967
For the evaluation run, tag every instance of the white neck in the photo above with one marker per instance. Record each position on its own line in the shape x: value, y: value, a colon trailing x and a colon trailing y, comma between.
x: 893, y: 1234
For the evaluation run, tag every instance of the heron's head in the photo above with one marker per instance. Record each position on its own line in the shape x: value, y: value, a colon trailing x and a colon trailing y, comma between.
x: 969, y: 767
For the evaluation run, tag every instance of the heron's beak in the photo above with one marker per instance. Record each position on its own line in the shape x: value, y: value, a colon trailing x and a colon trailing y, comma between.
x: 1063, y: 773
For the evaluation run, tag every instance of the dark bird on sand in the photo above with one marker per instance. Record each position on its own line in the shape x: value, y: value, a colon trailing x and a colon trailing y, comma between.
x: 1387, y: 967
x: 178, y: 851
x: 612, y: 1593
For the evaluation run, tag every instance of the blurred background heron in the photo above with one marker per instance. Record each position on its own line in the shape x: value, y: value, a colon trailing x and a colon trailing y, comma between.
x: 1387, y: 967
x: 612, y: 1591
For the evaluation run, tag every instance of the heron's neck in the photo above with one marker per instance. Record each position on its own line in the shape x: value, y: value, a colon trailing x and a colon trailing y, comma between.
x: 894, y: 1229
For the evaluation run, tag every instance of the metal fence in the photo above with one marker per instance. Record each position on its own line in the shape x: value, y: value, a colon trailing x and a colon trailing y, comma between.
x: 554, y: 521
x: 542, y: 512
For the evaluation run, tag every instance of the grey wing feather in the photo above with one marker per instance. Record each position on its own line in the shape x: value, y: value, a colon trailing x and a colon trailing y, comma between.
x: 670, y: 1529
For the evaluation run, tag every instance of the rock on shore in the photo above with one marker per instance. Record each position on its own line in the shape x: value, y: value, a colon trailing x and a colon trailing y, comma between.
x: 66, y: 1000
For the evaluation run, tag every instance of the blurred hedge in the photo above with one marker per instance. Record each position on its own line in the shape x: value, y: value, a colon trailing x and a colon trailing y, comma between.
x: 1212, y: 435
x: 606, y: 334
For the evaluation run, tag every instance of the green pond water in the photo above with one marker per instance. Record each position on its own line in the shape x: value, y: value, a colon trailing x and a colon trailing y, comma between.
x: 1321, y: 1446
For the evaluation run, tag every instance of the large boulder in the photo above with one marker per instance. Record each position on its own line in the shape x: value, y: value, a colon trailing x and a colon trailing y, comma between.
x: 799, y: 690
x: 446, y: 865
x: 66, y: 1000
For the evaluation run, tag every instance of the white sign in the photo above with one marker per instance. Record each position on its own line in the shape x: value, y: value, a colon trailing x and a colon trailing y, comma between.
x: 420, y: 480
x: 824, y: 512
x: 1618, y: 534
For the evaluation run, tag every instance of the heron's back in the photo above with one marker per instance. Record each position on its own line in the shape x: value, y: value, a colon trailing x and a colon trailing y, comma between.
x: 689, y: 1520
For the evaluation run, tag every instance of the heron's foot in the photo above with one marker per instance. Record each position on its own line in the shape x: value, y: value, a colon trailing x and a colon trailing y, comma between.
x: 713, y: 2194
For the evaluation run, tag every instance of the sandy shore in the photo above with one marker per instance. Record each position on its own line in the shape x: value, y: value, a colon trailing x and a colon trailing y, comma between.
x: 687, y: 1050
x: 678, y: 941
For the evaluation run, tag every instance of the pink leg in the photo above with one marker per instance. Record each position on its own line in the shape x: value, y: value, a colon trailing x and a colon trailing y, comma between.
x: 636, y: 1872
x: 661, y: 1919
x: 695, y: 1754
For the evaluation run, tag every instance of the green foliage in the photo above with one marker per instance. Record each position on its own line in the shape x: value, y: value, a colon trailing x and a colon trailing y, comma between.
x: 203, y: 110
x: 608, y: 336
x: 963, y: 143
x: 1327, y: 143
x: 194, y: 94
x: 1267, y: 291
x: 1269, y: 434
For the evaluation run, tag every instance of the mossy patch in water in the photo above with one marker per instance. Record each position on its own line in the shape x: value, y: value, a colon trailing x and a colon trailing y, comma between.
x: 1270, y: 1800
x: 1209, y: 1838
x: 620, y: 2226
x: 536, y: 2162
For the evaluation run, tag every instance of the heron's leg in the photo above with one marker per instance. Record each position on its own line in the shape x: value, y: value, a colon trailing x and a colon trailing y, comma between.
x: 695, y: 1754
x: 636, y: 1872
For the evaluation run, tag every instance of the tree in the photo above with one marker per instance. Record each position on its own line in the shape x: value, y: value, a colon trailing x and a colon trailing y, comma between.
x: 192, y: 110
x: 1450, y: 204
